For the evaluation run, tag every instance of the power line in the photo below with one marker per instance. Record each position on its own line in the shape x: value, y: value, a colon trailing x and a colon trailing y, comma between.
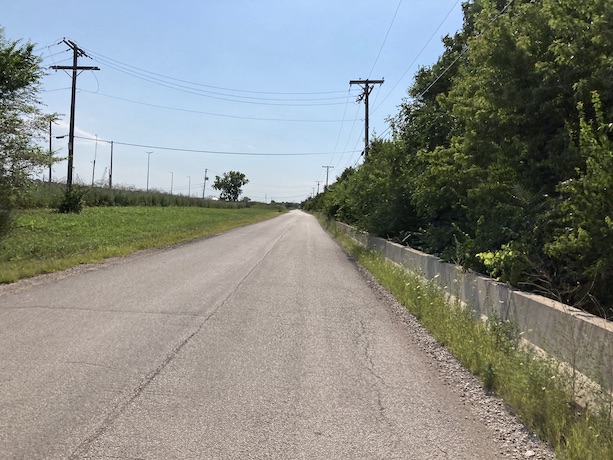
x: 464, y: 50
x: 385, y: 39
x: 342, y: 123
x: 217, y: 152
x: 417, y: 57
x: 98, y: 56
x: 208, y: 113
x: 227, y: 97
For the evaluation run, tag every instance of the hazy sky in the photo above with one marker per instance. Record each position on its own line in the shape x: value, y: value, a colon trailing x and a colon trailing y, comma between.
x: 258, y: 86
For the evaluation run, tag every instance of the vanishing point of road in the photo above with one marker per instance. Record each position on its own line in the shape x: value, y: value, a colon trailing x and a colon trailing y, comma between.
x: 264, y: 342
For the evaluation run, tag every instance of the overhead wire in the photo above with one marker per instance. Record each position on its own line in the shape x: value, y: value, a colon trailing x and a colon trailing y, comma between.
x: 418, y: 55
x: 370, y: 73
x: 196, y: 88
x: 217, y: 152
x: 93, y: 53
x: 340, y: 130
x: 221, y: 96
x: 382, y: 46
x: 294, y: 120
x: 385, y: 39
x: 465, y: 48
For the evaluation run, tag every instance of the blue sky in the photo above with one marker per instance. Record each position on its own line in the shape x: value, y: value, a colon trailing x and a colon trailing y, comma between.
x: 260, y: 87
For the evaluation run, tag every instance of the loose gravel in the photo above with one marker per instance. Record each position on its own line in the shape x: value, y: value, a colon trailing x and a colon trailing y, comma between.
x: 513, y: 438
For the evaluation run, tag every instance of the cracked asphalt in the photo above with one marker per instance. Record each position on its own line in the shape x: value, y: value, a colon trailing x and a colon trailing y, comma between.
x: 265, y: 342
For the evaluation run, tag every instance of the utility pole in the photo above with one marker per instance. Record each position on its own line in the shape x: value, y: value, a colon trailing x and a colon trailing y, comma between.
x: 76, y: 54
x: 328, y: 168
x: 94, y: 162
x: 204, y: 186
x: 172, y: 178
x: 318, y: 182
x: 148, y: 158
x: 111, y: 168
x: 50, y: 150
x: 189, y: 186
x: 367, y: 86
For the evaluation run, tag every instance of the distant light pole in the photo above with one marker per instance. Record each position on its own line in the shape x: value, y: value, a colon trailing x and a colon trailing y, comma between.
x: 204, y: 186
x: 111, y: 168
x: 189, y: 186
x: 94, y: 162
x: 148, y: 158
x: 95, y: 154
x: 172, y: 178
x: 62, y: 137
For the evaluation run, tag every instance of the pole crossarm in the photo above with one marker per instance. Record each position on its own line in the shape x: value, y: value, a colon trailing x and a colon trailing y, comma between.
x: 366, y: 82
x: 69, y: 67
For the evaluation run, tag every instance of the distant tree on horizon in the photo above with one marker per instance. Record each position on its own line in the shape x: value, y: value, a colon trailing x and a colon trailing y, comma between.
x: 231, y: 185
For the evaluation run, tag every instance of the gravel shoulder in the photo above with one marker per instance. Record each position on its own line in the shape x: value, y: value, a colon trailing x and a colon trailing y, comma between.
x: 514, y: 439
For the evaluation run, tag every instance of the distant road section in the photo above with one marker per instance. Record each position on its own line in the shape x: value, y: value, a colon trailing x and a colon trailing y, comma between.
x: 262, y: 343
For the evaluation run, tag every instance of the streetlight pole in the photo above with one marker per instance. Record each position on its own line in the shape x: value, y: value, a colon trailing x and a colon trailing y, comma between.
x: 94, y: 162
x: 172, y: 178
x: 204, y: 186
x: 111, y: 168
x: 148, y: 158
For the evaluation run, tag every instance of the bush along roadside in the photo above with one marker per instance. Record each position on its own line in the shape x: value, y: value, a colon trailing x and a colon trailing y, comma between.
x: 538, y: 390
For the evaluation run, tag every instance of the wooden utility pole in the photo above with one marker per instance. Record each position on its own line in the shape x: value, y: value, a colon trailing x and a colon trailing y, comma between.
x: 328, y: 168
x: 367, y: 86
x: 111, y: 168
x: 50, y: 149
x: 76, y: 54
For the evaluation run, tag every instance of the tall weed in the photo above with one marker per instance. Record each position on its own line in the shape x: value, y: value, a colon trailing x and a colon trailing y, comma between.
x: 538, y: 390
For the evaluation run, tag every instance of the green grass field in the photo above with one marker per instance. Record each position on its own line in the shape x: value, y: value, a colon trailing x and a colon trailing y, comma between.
x: 44, y: 241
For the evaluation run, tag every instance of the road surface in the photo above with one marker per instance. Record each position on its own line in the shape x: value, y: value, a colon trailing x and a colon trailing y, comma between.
x: 264, y: 342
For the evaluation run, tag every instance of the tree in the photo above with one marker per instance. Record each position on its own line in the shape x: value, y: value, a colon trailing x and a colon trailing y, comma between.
x: 489, y: 164
x: 584, y: 233
x: 21, y: 122
x: 230, y: 185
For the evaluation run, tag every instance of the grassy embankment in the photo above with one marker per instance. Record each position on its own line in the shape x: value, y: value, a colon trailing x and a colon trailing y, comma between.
x: 539, y: 391
x: 44, y: 241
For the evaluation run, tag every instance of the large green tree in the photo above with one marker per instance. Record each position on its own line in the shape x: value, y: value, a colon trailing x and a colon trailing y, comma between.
x: 231, y: 185
x: 492, y: 164
x: 21, y: 121
x: 582, y: 239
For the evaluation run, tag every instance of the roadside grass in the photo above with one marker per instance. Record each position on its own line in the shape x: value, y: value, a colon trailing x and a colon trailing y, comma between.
x: 43, y: 241
x: 539, y: 391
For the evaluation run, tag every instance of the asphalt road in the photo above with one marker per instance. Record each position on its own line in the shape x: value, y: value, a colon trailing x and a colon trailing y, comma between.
x: 264, y: 342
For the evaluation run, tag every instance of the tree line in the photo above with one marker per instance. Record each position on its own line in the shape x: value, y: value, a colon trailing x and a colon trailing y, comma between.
x: 501, y: 155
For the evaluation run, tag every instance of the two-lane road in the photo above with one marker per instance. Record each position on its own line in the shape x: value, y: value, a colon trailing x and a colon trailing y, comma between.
x: 263, y: 342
